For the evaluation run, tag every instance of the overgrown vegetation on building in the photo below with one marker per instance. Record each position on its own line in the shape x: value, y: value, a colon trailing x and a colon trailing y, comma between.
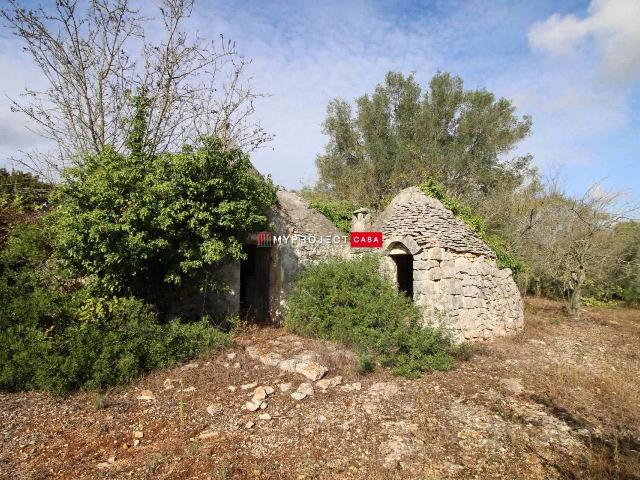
x: 460, y: 146
x: 504, y: 258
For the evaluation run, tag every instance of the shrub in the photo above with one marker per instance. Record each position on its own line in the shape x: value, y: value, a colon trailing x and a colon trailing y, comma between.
x: 57, y: 339
x: 339, y: 213
x: 134, y: 225
x: 33, y: 308
x: 25, y: 353
x: 349, y: 302
x: 116, y: 340
x: 22, y: 197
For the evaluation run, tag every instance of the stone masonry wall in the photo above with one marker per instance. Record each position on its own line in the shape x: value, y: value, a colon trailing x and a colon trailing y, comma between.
x: 475, y: 298
x: 293, y: 217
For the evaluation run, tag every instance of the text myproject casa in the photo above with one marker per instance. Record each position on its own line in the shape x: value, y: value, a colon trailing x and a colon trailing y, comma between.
x: 355, y: 238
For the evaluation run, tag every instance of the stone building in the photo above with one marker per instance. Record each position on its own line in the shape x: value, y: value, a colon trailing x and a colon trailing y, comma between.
x: 428, y: 253
x: 450, y: 273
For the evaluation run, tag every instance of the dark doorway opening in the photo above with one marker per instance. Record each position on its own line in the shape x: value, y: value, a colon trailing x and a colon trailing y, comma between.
x: 254, y: 283
x: 404, y: 275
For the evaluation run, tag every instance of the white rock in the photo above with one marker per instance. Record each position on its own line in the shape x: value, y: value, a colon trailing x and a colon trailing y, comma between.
x: 188, y: 389
x: 264, y: 416
x: 138, y: 434
x: 136, y: 442
x: 214, y: 409
x: 253, y: 352
x: 272, y: 359
x: 259, y: 394
x: 329, y: 382
x: 312, y: 370
x: 304, y: 389
x: 513, y: 385
x: 285, y: 387
x: 208, y: 434
x: 232, y: 388
x: 231, y: 356
x: 351, y: 387
x: 268, y: 390
x: 168, y: 383
x: 249, y: 424
x: 146, y: 395
x: 251, y: 406
x: 288, y: 365
x: 263, y: 405
x: 298, y: 395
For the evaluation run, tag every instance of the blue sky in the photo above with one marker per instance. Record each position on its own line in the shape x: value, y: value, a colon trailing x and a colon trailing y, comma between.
x: 574, y: 66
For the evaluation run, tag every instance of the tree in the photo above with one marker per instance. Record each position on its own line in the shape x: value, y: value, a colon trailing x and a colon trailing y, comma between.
x: 399, y: 137
x: 96, y: 57
x: 572, y: 242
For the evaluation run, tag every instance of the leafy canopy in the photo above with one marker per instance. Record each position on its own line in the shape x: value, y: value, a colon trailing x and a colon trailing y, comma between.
x: 399, y: 136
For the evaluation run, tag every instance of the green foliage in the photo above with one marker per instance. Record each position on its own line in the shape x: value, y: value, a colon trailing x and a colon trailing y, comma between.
x: 349, y: 302
x: 595, y: 302
x: 33, y: 308
x: 21, y: 190
x: 399, y: 136
x: 56, y: 339
x: 505, y: 259
x: 22, y: 195
x: 338, y: 212
x: 133, y: 225
x: 116, y: 340
x: 31, y: 293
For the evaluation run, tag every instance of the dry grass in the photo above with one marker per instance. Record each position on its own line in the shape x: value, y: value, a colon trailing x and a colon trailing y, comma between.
x: 579, y: 376
x: 595, y: 385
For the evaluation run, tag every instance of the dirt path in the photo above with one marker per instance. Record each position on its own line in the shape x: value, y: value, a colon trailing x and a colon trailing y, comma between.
x: 560, y: 401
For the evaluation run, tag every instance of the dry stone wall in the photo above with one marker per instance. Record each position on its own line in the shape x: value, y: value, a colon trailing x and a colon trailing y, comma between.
x: 469, y: 293
x: 455, y: 276
x: 310, y: 239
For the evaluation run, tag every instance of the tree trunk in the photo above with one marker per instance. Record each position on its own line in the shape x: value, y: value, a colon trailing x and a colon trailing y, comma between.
x: 575, y: 293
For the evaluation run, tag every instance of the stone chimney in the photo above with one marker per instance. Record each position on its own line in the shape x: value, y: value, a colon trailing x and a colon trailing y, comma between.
x: 361, y: 220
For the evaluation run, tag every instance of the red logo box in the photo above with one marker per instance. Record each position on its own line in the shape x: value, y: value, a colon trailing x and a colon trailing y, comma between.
x: 365, y: 239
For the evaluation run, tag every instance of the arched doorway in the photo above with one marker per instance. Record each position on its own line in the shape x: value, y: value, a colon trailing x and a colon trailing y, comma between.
x: 403, y: 261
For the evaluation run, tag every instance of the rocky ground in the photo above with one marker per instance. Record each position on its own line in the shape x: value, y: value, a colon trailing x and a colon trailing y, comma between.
x: 562, y: 400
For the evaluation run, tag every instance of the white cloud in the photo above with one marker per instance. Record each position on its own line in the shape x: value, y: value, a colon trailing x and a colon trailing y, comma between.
x: 612, y: 25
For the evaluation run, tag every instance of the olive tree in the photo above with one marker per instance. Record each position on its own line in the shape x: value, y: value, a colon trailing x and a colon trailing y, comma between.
x: 399, y: 136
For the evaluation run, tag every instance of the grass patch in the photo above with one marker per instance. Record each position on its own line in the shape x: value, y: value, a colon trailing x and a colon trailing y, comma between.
x: 349, y: 302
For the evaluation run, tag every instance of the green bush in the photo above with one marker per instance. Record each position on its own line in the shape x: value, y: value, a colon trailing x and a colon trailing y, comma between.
x: 117, y: 340
x: 133, y: 225
x: 56, y: 338
x: 349, y: 302
x: 504, y: 258
x: 338, y: 212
